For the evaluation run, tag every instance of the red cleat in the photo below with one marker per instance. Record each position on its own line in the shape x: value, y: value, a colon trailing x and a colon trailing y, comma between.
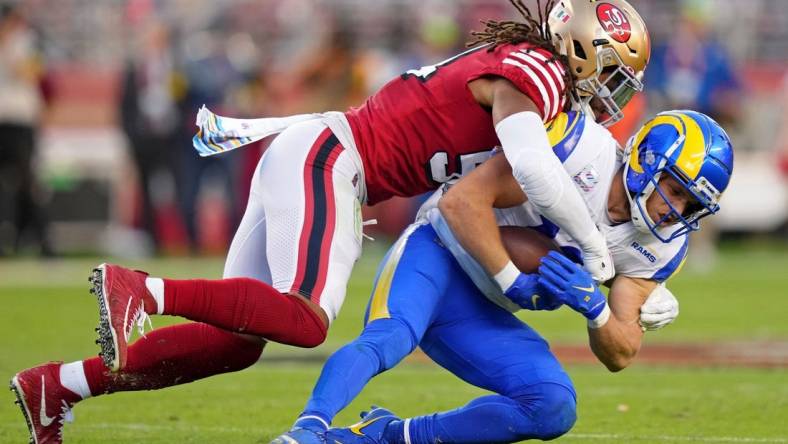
x: 123, y: 298
x: 45, y: 403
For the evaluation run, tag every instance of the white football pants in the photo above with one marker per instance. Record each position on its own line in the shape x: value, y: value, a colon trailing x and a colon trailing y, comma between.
x: 301, y: 231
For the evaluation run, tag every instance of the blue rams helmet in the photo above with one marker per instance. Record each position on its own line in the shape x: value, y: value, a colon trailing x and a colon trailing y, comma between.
x: 688, y: 146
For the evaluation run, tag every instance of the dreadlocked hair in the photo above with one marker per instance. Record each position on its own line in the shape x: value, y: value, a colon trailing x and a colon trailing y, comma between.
x: 532, y: 31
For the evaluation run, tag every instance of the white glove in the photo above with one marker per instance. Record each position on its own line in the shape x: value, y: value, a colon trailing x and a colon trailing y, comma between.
x: 597, y: 258
x: 660, y: 309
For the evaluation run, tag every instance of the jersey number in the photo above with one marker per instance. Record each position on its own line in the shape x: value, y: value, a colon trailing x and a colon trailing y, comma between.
x: 438, y: 168
x: 425, y: 72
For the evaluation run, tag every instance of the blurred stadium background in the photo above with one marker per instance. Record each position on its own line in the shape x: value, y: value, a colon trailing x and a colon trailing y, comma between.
x: 98, y: 100
x: 116, y: 85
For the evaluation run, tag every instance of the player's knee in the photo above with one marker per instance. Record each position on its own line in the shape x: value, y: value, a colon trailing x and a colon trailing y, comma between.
x: 389, y: 339
x: 552, y: 410
x: 310, y: 322
x: 314, y: 334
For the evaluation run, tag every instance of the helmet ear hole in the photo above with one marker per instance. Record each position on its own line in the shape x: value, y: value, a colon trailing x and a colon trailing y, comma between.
x: 579, y: 51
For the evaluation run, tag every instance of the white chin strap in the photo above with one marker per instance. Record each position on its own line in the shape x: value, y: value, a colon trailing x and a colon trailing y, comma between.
x: 638, y: 213
x: 640, y: 218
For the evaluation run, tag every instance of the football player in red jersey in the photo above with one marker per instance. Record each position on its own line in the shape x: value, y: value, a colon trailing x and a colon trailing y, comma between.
x: 291, y: 258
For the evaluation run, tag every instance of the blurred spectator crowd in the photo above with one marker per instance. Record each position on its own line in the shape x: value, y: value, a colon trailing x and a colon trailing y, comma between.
x: 141, y: 68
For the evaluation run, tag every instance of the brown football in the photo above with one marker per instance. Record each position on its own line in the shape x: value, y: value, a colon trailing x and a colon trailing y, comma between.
x: 526, y: 246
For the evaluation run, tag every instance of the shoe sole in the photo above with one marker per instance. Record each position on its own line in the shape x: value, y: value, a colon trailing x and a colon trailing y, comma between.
x: 22, y: 403
x: 107, y: 337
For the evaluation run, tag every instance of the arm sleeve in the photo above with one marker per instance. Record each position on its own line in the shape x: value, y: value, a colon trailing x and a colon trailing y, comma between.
x: 544, y: 179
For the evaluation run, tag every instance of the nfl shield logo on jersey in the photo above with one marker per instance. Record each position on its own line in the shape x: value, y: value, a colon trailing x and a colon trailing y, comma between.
x: 587, y: 178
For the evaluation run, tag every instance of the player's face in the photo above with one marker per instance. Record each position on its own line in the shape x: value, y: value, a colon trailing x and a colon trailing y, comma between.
x: 600, y: 112
x: 680, y: 199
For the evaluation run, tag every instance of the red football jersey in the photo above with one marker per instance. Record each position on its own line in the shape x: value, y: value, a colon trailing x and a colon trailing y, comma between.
x: 425, y: 128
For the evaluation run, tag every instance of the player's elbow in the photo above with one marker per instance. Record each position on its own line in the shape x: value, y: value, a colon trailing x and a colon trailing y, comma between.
x: 619, y: 361
x: 615, y: 355
x: 452, y: 205
x: 616, y: 366
x: 465, y: 199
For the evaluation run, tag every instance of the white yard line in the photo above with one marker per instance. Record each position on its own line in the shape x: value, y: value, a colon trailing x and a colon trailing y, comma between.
x: 670, y: 438
x: 571, y: 436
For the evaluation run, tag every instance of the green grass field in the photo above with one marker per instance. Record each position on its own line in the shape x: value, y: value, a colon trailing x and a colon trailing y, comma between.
x: 48, y: 314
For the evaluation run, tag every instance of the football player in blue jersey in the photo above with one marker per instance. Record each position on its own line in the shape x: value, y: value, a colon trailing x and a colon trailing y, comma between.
x: 429, y: 290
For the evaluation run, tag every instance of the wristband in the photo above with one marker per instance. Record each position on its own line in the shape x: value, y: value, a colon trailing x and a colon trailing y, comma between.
x: 506, y: 277
x: 601, y: 319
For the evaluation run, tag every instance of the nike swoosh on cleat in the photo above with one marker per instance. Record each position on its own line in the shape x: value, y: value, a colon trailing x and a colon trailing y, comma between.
x: 42, y: 413
x: 126, y: 329
x: 588, y: 289
x: 534, y: 299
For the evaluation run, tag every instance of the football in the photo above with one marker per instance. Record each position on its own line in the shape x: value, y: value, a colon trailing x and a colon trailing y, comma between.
x: 526, y: 246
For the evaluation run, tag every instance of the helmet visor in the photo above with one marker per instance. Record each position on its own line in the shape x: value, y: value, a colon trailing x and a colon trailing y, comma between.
x: 608, y: 92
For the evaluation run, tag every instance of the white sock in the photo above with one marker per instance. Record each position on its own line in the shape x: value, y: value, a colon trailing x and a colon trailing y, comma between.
x: 156, y: 288
x: 72, y: 377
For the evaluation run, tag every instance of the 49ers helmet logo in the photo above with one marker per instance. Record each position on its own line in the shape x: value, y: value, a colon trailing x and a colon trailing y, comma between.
x: 614, y: 22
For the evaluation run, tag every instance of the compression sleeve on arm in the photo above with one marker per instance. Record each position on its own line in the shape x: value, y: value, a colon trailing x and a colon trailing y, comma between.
x: 542, y: 176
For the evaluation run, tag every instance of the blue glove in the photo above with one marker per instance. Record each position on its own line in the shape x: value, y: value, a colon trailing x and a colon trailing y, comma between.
x: 571, y: 284
x: 529, y: 294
